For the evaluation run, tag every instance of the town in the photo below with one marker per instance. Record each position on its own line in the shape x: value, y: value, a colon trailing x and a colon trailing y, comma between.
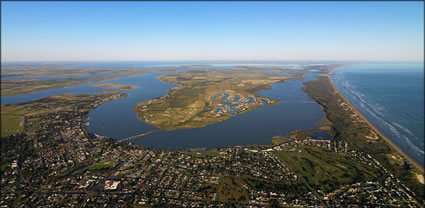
x: 61, y: 164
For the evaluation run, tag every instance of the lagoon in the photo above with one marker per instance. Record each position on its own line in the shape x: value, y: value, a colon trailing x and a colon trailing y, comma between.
x: 116, y: 119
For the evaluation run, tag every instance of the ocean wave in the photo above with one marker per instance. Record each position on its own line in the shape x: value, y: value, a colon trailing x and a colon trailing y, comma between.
x: 403, y: 128
x: 362, y: 100
x: 416, y: 150
x: 401, y: 137
x: 396, y: 133
x: 376, y: 111
x: 379, y: 108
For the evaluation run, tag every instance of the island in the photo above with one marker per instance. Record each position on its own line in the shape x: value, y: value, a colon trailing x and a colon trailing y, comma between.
x: 204, y: 97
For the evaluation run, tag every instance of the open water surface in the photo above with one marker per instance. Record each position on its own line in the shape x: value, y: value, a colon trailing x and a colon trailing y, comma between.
x: 391, y: 96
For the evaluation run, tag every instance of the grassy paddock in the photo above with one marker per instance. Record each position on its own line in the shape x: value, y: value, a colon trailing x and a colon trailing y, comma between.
x: 103, y: 165
x: 327, y: 170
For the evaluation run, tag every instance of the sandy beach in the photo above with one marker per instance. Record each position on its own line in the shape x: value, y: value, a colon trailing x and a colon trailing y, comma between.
x: 356, y: 111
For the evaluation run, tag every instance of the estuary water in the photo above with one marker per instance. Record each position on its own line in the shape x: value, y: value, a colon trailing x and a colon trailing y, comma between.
x: 116, y: 119
x: 391, y: 96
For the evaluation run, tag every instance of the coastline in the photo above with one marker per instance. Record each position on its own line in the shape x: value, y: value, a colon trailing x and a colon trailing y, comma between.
x: 358, y: 113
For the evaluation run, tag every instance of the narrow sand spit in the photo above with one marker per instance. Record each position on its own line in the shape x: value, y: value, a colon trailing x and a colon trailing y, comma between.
x: 420, y: 178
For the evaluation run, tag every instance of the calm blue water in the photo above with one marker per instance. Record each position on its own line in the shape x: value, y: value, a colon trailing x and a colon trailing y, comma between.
x: 117, y: 119
x: 391, y: 96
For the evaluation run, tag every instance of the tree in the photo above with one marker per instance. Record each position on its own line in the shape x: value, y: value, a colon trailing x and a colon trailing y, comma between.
x: 406, y: 165
x: 274, y: 203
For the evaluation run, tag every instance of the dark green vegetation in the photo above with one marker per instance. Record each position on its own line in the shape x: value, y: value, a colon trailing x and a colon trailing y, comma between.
x: 258, y: 183
x: 207, y: 97
x: 230, y: 189
x: 359, y: 135
x: 327, y: 170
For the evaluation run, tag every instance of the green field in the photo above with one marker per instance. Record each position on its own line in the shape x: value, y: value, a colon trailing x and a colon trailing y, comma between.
x: 283, y: 187
x: 4, y: 166
x: 12, y: 118
x: 228, y: 189
x: 327, y: 170
x: 103, y: 165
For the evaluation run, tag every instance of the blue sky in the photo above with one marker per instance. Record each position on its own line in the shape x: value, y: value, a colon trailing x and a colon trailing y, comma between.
x: 97, y: 31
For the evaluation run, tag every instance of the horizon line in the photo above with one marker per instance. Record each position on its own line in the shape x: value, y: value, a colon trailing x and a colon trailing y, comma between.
x: 217, y: 60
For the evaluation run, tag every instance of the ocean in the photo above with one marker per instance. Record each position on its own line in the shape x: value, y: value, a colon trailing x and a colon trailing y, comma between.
x: 391, y: 96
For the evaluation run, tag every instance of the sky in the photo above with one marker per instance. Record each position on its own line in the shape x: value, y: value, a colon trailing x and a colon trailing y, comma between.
x: 155, y: 31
